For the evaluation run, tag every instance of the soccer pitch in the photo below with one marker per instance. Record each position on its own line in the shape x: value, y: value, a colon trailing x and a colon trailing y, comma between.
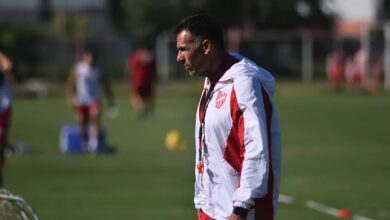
x: 336, y: 151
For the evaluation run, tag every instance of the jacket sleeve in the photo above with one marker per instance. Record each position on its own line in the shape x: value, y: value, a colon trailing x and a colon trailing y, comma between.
x: 255, y: 155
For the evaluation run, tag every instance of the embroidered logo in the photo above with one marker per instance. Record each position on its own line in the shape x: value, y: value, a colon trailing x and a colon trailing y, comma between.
x: 221, y: 98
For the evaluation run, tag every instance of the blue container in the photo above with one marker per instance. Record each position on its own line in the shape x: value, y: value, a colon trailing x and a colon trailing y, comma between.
x: 70, y: 140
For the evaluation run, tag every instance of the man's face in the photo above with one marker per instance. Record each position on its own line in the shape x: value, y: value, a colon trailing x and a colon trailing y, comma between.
x: 190, y: 53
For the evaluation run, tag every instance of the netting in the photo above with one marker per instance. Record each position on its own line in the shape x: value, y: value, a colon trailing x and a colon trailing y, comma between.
x: 14, y: 207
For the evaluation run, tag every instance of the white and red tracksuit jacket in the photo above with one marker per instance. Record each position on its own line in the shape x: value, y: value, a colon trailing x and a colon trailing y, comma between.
x: 240, y: 145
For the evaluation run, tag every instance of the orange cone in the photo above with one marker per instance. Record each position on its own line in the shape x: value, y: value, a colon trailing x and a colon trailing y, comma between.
x: 345, y: 213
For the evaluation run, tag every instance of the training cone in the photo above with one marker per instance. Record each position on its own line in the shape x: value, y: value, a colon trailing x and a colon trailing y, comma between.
x: 173, y: 141
x: 345, y: 213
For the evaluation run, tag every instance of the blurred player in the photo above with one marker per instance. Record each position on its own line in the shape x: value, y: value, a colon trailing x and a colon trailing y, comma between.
x: 6, y: 80
x: 83, y: 94
x: 141, y: 65
x: 355, y: 69
x: 335, y: 68
x: 376, y: 72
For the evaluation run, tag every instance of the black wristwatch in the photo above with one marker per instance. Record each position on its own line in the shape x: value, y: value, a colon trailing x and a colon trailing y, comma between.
x: 242, y: 212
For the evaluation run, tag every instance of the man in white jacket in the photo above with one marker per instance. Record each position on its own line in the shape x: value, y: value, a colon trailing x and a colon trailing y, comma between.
x: 238, y: 148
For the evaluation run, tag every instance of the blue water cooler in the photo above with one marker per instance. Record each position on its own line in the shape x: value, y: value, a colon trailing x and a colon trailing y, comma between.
x: 70, y: 140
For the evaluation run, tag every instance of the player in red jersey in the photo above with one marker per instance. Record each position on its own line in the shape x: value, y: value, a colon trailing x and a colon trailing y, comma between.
x: 141, y: 65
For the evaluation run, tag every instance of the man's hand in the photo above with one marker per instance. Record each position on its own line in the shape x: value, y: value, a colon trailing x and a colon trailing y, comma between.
x: 5, y: 63
x: 72, y: 102
x: 236, y: 217
x: 239, y: 213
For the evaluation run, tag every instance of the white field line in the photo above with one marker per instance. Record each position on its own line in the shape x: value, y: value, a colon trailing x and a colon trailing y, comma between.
x: 283, y: 198
x: 360, y: 217
x: 286, y: 199
x: 322, y: 208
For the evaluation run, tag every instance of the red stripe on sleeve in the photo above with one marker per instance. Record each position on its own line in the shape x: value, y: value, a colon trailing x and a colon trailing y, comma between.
x: 235, y: 149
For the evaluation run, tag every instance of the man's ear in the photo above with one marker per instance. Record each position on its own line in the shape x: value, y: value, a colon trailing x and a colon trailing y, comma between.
x: 206, y: 45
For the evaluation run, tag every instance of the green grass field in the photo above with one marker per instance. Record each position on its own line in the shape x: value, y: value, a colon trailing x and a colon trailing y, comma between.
x: 336, y: 150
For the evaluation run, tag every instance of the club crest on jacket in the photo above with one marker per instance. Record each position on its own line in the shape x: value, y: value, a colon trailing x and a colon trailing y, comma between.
x: 221, y: 98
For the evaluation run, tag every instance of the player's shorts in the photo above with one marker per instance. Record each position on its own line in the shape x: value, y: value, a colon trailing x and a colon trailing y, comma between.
x: 85, y: 111
x: 5, y: 117
x: 145, y: 91
x: 203, y: 216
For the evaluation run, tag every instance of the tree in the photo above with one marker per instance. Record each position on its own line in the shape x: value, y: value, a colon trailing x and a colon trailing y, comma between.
x: 142, y: 20
x: 45, y: 10
x: 291, y: 14
x: 117, y: 14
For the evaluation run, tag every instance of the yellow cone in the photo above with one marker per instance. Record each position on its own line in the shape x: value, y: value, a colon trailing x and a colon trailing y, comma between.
x: 173, y: 141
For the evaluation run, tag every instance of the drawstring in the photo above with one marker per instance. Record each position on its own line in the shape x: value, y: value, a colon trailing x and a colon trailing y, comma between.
x: 205, y: 100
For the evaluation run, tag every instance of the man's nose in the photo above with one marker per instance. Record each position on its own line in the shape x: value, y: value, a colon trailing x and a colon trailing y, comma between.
x: 179, y: 57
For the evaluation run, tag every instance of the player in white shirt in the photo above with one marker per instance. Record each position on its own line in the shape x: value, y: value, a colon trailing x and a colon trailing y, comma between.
x: 237, y: 134
x: 83, y: 93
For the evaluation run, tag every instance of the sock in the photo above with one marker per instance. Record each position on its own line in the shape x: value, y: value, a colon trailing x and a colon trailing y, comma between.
x: 93, y: 144
x: 84, y: 145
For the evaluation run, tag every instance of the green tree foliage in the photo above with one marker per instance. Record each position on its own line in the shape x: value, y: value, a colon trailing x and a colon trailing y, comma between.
x: 117, y: 14
x: 289, y: 14
x: 142, y: 20
x: 20, y: 45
